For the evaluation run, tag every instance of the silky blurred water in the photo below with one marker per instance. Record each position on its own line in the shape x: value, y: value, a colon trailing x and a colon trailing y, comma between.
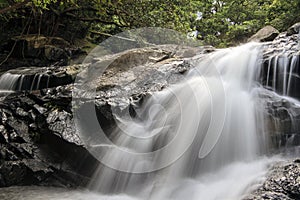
x: 239, y: 178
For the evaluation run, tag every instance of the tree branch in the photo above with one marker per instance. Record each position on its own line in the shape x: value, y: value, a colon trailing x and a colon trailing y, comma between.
x: 109, y: 35
x: 94, y: 19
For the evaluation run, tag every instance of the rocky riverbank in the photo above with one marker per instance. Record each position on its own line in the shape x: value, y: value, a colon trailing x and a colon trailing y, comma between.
x: 282, y: 182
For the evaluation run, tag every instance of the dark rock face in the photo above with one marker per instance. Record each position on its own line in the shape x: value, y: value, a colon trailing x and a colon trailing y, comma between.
x: 265, y: 34
x: 31, y: 150
x: 282, y: 118
x: 283, y: 182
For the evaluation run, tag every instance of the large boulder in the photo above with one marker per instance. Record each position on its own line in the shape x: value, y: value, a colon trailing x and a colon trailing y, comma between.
x: 265, y: 34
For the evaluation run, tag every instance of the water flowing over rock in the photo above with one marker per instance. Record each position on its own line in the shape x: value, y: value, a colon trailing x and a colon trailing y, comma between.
x: 281, y: 65
x: 196, y: 136
x: 36, y: 78
x: 214, y: 111
x: 280, y: 76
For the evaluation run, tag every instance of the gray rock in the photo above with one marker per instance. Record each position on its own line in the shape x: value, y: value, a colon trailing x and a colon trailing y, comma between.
x: 265, y: 34
x: 20, y: 132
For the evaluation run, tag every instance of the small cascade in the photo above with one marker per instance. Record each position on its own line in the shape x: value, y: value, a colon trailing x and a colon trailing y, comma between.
x: 32, y: 78
x: 10, y: 82
x: 281, y: 67
x: 281, y: 73
x: 20, y: 82
x: 39, y: 81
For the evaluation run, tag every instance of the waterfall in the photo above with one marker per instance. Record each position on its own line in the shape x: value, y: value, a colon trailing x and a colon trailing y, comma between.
x: 19, y: 82
x: 9, y: 82
x: 285, y: 73
x: 208, y: 126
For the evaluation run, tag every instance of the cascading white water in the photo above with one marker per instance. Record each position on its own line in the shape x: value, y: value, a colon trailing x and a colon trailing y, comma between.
x: 9, y: 82
x: 284, y: 73
x: 205, y: 126
x: 16, y: 82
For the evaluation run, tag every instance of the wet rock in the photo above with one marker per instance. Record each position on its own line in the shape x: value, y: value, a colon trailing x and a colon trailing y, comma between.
x: 282, y: 120
x: 40, y: 109
x: 280, y: 58
x: 15, y: 171
x: 61, y: 123
x: 2, y: 183
x: 25, y: 155
x: 283, y: 182
x: 2, y: 133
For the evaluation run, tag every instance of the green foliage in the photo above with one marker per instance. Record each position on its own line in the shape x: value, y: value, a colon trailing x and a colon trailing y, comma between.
x: 228, y: 22
x: 218, y: 22
x: 283, y: 13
